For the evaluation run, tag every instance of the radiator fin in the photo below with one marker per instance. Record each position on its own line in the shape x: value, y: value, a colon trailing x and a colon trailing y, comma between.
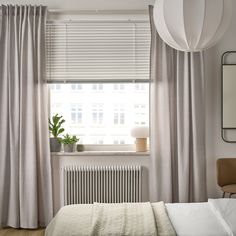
x: 106, y: 184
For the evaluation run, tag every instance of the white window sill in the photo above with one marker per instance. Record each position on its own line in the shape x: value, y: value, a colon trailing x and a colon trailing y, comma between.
x: 104, y: 150
x: 101, y: 153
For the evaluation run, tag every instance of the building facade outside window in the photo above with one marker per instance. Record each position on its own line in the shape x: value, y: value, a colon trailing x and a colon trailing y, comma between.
x: 76, y: 114
x: 119, y: 114
x: 140, y: 87
x: 55, y: 87
x: 97, y: 87
x: 120, y: 141
x: 101, y: 118
x: 76, y: 87
x: 97, y: 114
x: 119, y: 87
x: 141, y: 114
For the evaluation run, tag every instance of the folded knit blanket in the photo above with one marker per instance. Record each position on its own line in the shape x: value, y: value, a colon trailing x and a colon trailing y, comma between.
x: 135, y: 219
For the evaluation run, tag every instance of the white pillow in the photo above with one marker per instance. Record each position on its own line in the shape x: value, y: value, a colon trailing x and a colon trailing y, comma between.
x: 226, y: 209
x: 195, y: 219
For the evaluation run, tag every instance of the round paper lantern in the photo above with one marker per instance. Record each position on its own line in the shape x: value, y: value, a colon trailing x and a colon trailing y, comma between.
x: 192, y: 25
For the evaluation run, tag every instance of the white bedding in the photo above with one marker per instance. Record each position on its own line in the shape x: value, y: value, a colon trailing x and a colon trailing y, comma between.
x: 213, y: 218
x: 225, y: 209
x: 195, y: 219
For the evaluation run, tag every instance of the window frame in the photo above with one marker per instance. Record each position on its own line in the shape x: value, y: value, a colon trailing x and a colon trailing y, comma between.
x: 114, y: 81
x: 113, y: 147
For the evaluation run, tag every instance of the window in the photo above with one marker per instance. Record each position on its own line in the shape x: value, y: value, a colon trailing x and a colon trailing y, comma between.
x: 97, y: 140
x: 104, y: 67
x: 101, y: 117
x: 97, y: 87
x: 55, y: 87
x: 97, y: 114
x: 56, y: 107
x: 140, y: 87
x: 141, y: 114
x: 119, y: 87
x: 76, y: 114
x: 76, y: 87
x: 119, y: 114
x: 119, y: 141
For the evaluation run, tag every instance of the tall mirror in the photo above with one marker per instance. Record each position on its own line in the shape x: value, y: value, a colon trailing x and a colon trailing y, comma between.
x: 229, y: 96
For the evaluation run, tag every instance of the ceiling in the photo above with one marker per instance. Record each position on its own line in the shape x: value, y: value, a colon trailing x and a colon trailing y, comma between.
x: 87, y: 4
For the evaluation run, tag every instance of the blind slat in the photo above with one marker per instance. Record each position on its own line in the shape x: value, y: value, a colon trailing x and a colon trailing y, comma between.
x: 97, y: 51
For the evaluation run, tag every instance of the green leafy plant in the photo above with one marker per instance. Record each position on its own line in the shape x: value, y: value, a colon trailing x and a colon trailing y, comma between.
x: 69, y: 139
x: 55, y: 125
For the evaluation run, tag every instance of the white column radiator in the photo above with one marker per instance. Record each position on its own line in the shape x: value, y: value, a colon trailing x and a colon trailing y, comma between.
x: 107, y: 184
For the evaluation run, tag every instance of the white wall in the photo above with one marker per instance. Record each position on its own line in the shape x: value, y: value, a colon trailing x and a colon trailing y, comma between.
x: 216, y: 147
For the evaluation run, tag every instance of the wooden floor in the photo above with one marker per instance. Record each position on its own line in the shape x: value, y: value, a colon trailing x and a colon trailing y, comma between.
x: 21, y: 232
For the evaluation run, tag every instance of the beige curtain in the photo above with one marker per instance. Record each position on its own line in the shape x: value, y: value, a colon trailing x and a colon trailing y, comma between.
x: 178, y: 165
x: 25, y: 171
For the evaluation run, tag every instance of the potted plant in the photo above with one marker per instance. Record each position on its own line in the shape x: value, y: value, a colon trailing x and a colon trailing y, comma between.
x: 55, y: 128
x: 69, y: 142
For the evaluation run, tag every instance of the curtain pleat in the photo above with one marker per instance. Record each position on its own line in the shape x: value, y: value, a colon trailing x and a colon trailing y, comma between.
x: 25, y: 168
x: 177, y: 140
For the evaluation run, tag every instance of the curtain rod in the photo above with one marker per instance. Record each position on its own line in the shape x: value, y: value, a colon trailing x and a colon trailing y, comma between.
x: 104, y: 81
x: 97, y: 11
x: 71, y: 11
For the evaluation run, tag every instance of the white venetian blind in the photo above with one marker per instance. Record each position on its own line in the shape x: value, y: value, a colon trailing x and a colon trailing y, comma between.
x: 97, y: 51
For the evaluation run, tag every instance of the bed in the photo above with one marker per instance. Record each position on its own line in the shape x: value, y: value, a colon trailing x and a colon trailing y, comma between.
x: 217, y: 217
